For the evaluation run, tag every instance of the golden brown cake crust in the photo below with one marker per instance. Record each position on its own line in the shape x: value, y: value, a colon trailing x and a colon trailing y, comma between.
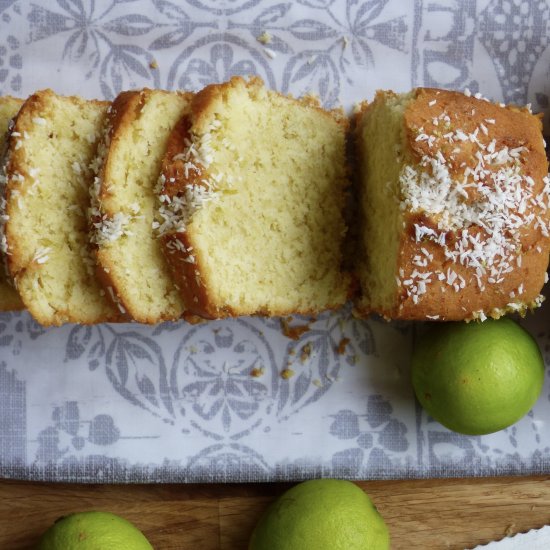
x: 185, y: 258
x: 120, y: 117
x: 218, y: 92
x: 9, y: 298
x: 441, y: 281
x: 186, y: 274
x: 17, y: 163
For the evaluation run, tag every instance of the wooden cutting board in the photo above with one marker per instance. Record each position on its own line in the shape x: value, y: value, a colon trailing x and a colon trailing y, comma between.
x: 421, y: 514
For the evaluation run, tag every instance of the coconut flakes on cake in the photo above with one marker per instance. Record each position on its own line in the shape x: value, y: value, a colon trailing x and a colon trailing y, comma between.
x: 482, y: 207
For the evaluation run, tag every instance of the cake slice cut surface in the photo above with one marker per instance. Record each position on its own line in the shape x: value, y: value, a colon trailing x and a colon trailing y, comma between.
x: 9, y: 298
x: 454, y: 207
x: 52, y: 144
x: 131, y: 263
x: 253, y: 190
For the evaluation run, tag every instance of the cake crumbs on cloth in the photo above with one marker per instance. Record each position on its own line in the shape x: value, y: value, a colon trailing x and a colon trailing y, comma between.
x: 256, y: 372
x: 341, y: 349
x: 305, y: 352
x: 294, y: 333
x: 287, y: 373
x: 264, y: 38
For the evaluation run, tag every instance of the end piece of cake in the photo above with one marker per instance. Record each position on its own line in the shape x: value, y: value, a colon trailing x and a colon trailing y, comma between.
x: 454, y: 198
x: 52, y: 143
x: 131, y: 263
x: 9, y: 298
x: 253, y: 188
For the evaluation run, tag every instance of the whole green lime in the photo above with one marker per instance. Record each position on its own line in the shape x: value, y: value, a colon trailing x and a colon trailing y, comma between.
x: 322, y: 514
x: 93, y: 531
x: 477, y: 378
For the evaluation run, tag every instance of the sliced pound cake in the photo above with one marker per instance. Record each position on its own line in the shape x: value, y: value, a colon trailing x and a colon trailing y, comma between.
x: 51, y: 146
x: 129, y: 255
x: 252, y: 193
x: 9, y: 298
x: 454, y: 204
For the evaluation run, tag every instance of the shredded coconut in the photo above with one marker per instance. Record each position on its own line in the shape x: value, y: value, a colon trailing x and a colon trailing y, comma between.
x: 176, y: 211
x: 264, y: 38
x: 105, y: 228
x: 479, y: 315
x: 476, y: 215
x: 41, y: 255
x: 3, y: 214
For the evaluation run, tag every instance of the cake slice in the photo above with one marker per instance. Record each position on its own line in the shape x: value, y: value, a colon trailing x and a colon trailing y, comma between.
x: 50, y: 148
x: 9, y: 298
x: 454, y: 207
x: 252, y: 193
x: 129, y: 255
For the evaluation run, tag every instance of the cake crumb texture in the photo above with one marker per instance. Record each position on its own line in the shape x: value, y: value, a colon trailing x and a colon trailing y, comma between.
x: 47, y: 197
x: 252, y: 203
x: 124, y: 201
x: 9, y: 298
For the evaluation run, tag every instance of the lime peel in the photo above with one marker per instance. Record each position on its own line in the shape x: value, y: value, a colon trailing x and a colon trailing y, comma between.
x: 477, y: 378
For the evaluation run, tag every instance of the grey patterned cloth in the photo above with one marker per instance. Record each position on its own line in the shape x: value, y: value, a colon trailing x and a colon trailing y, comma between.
x: 175, y: 402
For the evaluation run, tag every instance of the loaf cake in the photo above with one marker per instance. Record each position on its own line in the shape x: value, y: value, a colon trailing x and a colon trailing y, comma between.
x: 252, y: 191
x: 129, y: 255
x: 9, y: 298
x: 454, y: 198
x: 53, y: 141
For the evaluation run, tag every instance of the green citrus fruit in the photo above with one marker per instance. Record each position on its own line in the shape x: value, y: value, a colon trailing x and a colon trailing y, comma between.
x: 93, y: 531
x: 477, y: 378
x: 322, y: 514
